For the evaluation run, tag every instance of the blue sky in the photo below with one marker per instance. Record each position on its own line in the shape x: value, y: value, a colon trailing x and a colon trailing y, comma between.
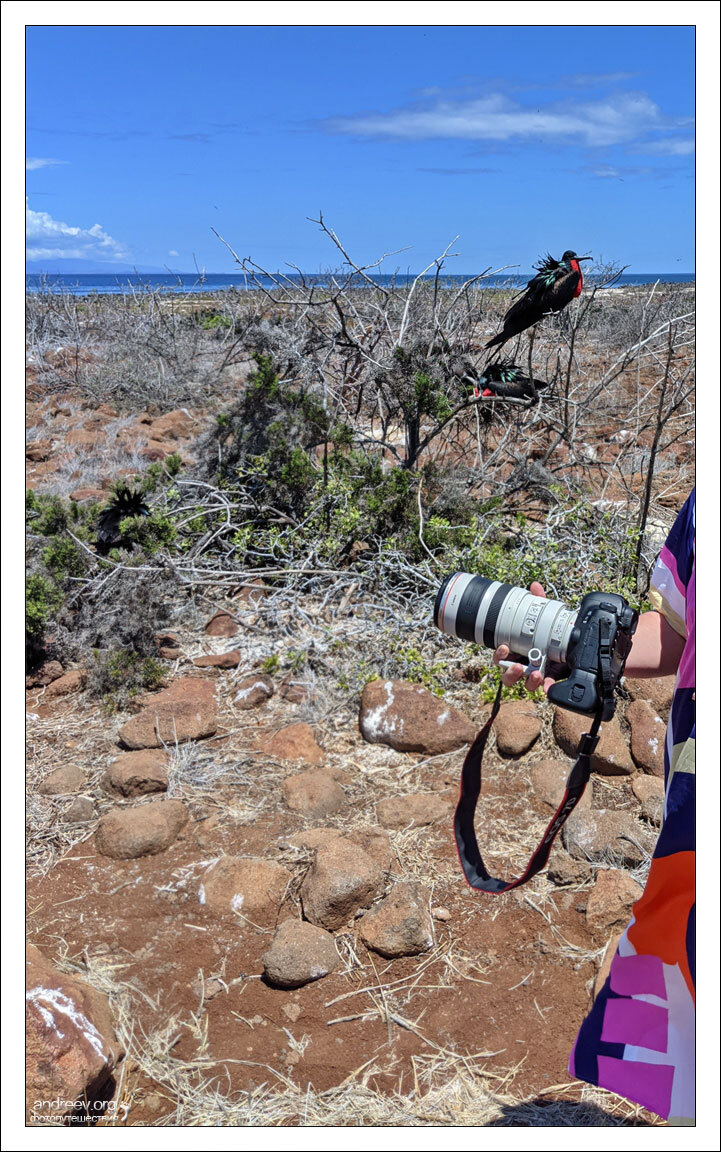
x: 140, y: 140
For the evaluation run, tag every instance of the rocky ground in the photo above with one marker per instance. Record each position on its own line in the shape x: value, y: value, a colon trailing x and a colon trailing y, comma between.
x: 269, y: 901
x: 244, y: 901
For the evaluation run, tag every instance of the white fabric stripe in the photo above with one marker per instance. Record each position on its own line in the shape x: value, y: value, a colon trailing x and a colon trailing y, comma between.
x: 663, y: 582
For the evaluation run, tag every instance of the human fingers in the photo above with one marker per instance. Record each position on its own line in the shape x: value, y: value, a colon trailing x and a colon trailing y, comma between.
x: 537, y: 589
x: 510, y: 676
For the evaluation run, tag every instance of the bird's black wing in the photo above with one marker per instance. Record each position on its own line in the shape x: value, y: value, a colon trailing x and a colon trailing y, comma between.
x: 561, y: 292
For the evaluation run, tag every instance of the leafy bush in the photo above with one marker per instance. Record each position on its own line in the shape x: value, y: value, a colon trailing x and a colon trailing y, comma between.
x: 118, y: 676
x: 43, y: 598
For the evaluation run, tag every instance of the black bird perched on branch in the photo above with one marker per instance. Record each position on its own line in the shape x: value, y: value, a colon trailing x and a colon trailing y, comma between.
x: 505, y: 380
x: 125, y: 503
x: 556, y: 284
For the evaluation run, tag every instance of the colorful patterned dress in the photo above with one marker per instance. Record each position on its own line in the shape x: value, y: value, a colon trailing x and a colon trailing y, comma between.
x: 638, y: 1039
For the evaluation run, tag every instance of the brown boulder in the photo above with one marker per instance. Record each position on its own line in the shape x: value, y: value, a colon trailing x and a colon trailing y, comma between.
x: 126, y: 833
x: 89, y: 495
x: 648, y: 736
x: 657, y: 690
x: 84, y: 438
x: 313, y: 794
x: 252, y: 691
x: 63, y: 781
x: 517, y: 726
x: 184, y: 711
x: 168, y: 645
x: 169, y: 653
x: 300, y: 952
x: 176, y: 425
x: 374, y: 841
x: 647, y: 788
x: 294, y: 691
x: 296, y: 742
x: 252, y: 888
x: 222, y: 624
x: 44, y: 675
x: 611, y: 758
x: 413, y: 811
x: 138, y: 773
x: 652, y: 811
x: 71, y: 1049
x: 341, y: 879
x: 80, y: 811
x: 69, y: 682
x: 253, y: 592
x: 548, y: 779
x: 611, y: 900
x: 604, y: 834
x: 155, y: 450
x: 219, y: 660
x: 39, y: 450
x: 563, y: 869
x: 410, y: 719
x: 400, y: 925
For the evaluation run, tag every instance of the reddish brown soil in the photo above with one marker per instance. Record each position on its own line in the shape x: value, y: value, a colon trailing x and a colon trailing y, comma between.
x: 523, y: 1003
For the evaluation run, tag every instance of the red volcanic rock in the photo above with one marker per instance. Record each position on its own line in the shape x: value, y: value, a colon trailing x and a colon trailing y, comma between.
x: 410, y: 719
x: 71, y: 1049
x: 222, y: 624
x: 296, y: 742
x: 219, y: 660
x: 145, y: 830
x: 185, y: 711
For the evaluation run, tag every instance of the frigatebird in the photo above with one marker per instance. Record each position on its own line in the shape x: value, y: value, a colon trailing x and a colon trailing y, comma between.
x: 556, y: 284
x: 125, y: 503
x: 504, y: 379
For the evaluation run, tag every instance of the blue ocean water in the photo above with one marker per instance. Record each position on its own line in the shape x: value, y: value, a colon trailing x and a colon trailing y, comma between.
x: 123, y: 283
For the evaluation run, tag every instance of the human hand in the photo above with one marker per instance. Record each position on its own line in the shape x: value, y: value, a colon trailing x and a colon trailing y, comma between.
x: 511, y: 676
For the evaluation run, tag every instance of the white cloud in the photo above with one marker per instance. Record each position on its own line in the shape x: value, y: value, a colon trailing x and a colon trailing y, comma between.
x: 672, y: 146
x: 34, y: 162
x: 47, y: 238
x: 617, y: 119
x: 172, y: 252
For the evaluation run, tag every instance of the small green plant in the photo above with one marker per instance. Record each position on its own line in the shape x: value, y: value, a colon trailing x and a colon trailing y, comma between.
x: 148, y: 532
x: 490, y: 683
x: 412, y: 665
x: 271, y: 664
x: 213, y: 323
x: 43, y: 598
x: 122, y: 674
x: 63, y: 558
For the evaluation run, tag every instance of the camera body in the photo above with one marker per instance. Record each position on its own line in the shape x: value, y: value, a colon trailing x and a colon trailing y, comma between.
x: 597, y: 650
x: 585, y: 651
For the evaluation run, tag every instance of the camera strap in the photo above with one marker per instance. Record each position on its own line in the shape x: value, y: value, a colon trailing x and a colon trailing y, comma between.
x: 469, y: 855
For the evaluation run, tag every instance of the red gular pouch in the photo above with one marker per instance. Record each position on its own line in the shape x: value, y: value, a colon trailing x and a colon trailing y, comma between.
x: 576, y: 267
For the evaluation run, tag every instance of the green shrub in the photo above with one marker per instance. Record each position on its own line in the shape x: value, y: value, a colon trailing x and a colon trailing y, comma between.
x: 63, y: 558
x: 122, y: 674
x: 150, y: 533
x: 43, y: 598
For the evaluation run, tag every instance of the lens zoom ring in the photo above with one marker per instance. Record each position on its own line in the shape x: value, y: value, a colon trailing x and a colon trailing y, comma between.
x: 468, y: 608
x: 494, y: 608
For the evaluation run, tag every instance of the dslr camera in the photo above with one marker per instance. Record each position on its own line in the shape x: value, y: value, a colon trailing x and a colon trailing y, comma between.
x: 585, y: 651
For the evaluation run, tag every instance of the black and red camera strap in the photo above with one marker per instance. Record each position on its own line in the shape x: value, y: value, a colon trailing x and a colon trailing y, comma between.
x: 469, y: 855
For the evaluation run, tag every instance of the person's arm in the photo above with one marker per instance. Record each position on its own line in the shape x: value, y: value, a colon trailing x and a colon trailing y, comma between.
x: 657, y: 647
x: 656, y: 651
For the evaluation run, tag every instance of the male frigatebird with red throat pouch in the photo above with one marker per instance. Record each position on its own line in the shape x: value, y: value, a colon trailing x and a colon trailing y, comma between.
x: 504, y: 380
x: 556, y: 284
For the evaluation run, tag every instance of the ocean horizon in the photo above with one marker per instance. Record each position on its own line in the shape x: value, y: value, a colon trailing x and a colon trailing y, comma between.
x: 125, y: 283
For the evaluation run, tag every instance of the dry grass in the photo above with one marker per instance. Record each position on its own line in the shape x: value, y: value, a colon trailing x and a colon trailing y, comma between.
x: 447, y: 1089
